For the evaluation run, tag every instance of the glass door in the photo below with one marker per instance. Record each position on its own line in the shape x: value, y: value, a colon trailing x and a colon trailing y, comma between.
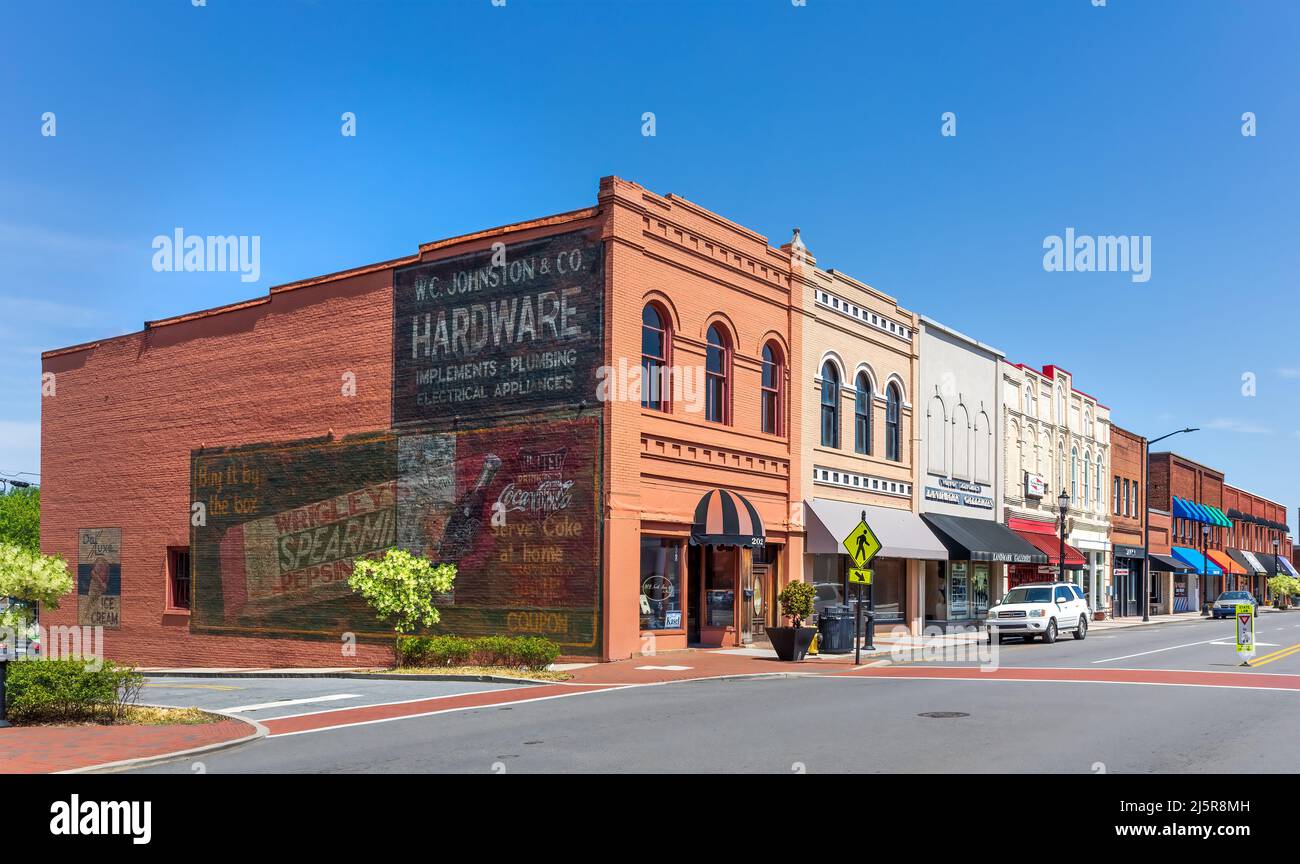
x: 959, y: 590
x: 979, y: 589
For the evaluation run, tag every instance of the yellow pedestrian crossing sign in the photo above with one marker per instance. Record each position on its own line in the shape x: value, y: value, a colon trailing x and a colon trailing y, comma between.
x: 1245, y: 630
x: 860, y: 577
x: 862, y: 545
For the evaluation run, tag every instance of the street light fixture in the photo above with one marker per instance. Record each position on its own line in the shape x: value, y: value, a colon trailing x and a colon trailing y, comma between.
x: 1205, y: 570
x: 1063, y: 502
x: 1146, y: 519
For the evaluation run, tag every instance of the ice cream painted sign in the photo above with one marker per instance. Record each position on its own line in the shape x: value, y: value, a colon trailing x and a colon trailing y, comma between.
x: 99, y: 577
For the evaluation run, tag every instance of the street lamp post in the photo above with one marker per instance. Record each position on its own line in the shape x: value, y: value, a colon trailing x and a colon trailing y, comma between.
x: 1205, y: 570
x: 1277, y: 562
x: 1063, y: 501
x: 1146, y: 520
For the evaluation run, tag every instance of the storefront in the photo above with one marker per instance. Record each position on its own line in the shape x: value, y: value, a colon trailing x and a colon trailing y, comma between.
x: 958, y: 592
x: 908, y: 546
x: 1126, y: 569
x: 1200, y: 583
x: 1256, y: 576
x: 714, y: 586
x: 1169, y: 571
x: 1042, y: 536
x: 1234, y: 574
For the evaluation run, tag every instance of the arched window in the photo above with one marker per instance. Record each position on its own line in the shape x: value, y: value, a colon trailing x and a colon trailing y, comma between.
x: 773, y: 382
x: 893, y: 424
x: 862, y: 431
x: 655, y: 337
x: 1074, y: 476
x: 830, y: 405
x: 1087, y: 479
x: 717, y: 378
x: 1100, y: 484
x: 983, y: 449
x: 1060, y: 406
x: 961, y: 443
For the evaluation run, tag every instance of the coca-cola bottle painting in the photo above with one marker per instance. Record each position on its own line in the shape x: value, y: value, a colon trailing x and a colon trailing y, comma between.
x: 462, y: 527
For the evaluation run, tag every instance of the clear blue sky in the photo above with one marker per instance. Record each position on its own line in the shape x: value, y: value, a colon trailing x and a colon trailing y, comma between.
x: 1122, y: 119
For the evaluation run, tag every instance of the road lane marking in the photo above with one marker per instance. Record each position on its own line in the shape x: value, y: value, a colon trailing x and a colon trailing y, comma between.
x: 367, y: 715
x: 192, y: 686
x: 282, y: 703
x: 1257, y: 644
x: 1280, y: 654
x: 1156, y: 651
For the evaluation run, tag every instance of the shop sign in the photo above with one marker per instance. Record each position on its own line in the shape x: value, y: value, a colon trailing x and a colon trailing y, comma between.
x: 1121, y: 571
x: 505, y: 330
x: 1035, y: 485
x: 963, y: 499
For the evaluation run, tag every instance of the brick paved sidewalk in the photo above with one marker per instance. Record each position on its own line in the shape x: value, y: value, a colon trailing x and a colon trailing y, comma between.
x: 44, y: 749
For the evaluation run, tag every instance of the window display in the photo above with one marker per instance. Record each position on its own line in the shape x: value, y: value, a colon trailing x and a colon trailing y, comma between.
x: 661, y: 583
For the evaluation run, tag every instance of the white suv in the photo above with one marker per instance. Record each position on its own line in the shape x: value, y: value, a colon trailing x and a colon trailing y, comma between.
x: 1039, y: 609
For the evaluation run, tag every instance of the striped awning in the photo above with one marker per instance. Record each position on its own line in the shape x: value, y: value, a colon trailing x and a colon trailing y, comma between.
x: 724, y: 518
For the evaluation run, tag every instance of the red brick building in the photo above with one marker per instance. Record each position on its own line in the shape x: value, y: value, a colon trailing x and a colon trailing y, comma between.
x: 214, y: 476
x: 1128, y: 509
x: 1192, y: 539
x: 1258, y: 537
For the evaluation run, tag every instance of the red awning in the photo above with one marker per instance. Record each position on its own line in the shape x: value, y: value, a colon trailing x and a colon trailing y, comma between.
x: 1051, y: 547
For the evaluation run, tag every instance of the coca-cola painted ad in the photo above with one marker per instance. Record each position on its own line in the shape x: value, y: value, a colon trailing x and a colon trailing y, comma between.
x: 508, y: 330
x: 513, y: 507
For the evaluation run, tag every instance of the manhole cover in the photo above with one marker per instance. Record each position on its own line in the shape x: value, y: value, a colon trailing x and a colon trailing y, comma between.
x: 943, y: 715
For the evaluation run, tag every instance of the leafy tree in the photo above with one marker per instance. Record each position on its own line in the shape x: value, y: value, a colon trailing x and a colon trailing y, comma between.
x: 400, y: 588
x: 20, y: 518
x: 31, y: 577
x: 1283, y: 587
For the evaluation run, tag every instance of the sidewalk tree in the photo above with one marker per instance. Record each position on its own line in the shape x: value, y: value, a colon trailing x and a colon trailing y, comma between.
x: 400, y: 587
x: 32, y: 578
x: 1283, y: 588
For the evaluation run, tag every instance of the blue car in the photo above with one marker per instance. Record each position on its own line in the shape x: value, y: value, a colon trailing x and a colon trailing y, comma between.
x: 1226, y: 604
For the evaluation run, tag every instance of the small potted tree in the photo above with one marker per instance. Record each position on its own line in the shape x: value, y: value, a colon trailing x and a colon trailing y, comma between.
x: 792, y: 643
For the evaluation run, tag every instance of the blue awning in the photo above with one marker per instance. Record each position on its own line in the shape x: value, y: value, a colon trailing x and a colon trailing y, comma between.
x: 1182, y: 511
x: 1194, y: 559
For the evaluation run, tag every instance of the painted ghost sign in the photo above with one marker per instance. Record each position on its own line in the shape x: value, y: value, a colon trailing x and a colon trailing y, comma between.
x: 285, y: 524
x: 513, y: 506
x: 499, y: 332
x: 99, y: 577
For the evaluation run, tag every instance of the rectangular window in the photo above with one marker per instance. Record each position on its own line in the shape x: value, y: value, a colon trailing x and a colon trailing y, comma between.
x: 178, y: 578
x: 661, y: 584
x: 1115, y: 505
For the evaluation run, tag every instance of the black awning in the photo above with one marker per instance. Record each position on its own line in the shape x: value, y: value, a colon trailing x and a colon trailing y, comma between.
x: 982, y: 540
x: 1124, y: 551
x: 1166, y: 564
x: 1242, y: 560
x: 725, y: 518
x: 1269, y: 561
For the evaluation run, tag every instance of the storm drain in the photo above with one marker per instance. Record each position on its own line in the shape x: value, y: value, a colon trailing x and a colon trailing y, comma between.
x: 943, y: 715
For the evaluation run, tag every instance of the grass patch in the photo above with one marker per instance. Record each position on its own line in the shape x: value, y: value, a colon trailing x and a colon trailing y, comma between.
x: 498, y: 671
x: 145, y: 715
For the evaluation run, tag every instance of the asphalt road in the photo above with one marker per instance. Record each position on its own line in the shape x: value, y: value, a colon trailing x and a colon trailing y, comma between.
x: 828, y: 725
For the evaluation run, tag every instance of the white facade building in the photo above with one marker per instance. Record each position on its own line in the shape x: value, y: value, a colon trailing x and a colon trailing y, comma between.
x: 1057, y: 437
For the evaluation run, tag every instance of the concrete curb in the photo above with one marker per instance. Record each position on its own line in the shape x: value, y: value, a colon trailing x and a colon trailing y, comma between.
x: 259, y: 731
x: 365, y: 676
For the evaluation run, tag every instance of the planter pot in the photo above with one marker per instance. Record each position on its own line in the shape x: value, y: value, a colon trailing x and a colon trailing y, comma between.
x: 1099, y: 615
x: 790, y: 643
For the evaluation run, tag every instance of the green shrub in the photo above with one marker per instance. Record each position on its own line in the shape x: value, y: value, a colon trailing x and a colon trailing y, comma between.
x: 60, y: 691
x: 797, y: 601
x: 513, y: 652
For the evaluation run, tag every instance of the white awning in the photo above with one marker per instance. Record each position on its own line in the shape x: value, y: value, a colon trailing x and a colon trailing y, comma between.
x: 1254, y: 562
x: 902, y: 534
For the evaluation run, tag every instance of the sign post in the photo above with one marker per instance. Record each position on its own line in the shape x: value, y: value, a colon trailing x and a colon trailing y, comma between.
x: 1245, y: 632
x: 862, y: 546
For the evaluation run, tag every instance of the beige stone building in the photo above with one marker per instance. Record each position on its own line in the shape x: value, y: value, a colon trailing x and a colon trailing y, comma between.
x: 859, y: 439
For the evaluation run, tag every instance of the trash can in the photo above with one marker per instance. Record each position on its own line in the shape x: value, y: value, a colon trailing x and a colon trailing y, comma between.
x: 835, y: 624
